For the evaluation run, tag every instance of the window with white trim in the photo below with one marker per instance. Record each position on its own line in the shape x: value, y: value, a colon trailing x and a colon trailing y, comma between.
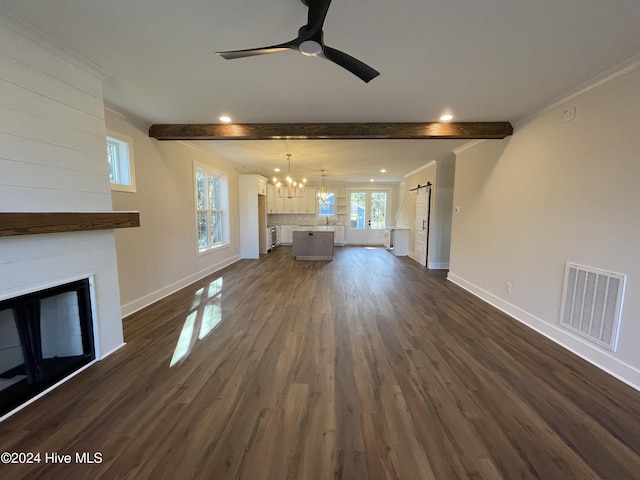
x: 212, y: 222
x: 120, y: 159
x: 327, y: 207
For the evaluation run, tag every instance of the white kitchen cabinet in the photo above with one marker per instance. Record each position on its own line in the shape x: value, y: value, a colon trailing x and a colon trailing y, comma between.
x: 278, y: 204
x: 271, y: 198
x: 308, y: 202
x: 291, y: 205
x: 399, y: 241
x: 262, y: 186
x: 286, y: 234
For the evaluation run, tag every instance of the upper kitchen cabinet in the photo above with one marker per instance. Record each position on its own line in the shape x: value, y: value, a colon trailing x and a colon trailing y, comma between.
x: 271, y: 198
x: 306, y: 204
x: 262, y: 185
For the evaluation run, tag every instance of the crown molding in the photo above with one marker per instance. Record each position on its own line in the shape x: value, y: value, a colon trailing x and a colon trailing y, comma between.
x: 466, y: 146
x: 598, y: 81
x: 418, y: 170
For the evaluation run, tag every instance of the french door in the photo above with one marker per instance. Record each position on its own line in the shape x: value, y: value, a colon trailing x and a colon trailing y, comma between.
x: 367, y: 216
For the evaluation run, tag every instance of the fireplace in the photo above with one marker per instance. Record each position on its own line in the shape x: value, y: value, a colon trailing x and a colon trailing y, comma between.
x: 44, y: 337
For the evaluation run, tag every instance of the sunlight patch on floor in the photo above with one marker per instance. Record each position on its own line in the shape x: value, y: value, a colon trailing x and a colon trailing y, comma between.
x: 206, y: 312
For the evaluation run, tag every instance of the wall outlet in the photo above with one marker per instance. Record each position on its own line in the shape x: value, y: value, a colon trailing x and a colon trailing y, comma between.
x: 569, y: 114
x: 507, y: 287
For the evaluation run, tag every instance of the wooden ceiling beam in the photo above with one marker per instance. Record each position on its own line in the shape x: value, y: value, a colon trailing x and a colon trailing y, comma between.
x: 332, y: 131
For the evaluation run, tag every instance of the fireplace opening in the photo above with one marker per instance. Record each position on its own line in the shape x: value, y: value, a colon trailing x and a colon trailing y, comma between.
x: 44, y: 337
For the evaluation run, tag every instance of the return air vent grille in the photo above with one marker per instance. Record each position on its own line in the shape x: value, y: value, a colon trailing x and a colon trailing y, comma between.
x: 592, y: 304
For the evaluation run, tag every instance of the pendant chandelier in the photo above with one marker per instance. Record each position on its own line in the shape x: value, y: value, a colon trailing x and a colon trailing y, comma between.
x: 290, y: 188
x: 323, y: 195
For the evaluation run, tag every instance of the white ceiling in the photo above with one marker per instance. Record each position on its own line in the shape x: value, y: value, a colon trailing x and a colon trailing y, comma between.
x: 483, y: 60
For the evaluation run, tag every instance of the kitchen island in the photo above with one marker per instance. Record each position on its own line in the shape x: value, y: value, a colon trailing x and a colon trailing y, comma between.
x: 286, y: 232
x: 313, y: 245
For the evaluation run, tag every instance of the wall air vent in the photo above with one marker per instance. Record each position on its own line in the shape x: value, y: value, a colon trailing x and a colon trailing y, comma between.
x: 592, y: 304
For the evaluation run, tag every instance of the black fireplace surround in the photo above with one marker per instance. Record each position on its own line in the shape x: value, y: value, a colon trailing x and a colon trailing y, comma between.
x: 44, y: 337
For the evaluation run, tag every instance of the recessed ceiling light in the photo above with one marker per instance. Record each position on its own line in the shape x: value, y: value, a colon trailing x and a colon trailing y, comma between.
x: 371, y: 180
x: 276, y: 169
x: 446, y: 117
x: 225, y: 119
x: 383, y: 171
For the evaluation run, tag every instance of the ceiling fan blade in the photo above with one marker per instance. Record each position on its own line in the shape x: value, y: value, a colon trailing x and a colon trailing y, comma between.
x: 355, y: 66
x: 310, y: 42
x: 252, y: 52
x: 317, y: 13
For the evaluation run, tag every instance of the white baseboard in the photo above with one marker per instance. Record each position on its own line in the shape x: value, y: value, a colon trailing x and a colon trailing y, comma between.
x: 593, y: 354
x: 439, y: 266
x: 153, y: 297
x: 113, y: 350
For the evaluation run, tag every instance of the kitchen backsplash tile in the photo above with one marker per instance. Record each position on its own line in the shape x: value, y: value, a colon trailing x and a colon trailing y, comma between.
x: 302, y: 219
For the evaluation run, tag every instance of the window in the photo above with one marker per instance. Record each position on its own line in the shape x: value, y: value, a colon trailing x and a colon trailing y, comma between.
x: 357, y: 209
x: 327, y: 208
x: 211, y: 209
x: 120, y: 158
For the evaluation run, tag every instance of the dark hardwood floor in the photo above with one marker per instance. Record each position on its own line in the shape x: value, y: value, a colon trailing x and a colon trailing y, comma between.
x: 367, y: 367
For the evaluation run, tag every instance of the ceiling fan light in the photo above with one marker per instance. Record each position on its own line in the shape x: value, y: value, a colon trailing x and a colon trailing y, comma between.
x: 310, y: 48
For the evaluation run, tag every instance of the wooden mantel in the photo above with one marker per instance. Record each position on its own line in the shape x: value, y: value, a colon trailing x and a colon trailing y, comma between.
x: 332, y: 131
x: 33, y: 223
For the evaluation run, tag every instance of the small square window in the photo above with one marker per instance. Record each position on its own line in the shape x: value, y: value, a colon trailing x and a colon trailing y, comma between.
x: 120, y: 159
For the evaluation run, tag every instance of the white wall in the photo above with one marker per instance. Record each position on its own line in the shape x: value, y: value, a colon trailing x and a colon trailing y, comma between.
x: 161, y: 256
x: 554, y: 193
x: 53, y: 158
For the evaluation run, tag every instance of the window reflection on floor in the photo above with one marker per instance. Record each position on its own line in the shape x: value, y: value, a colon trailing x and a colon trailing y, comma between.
x: 205, y: 314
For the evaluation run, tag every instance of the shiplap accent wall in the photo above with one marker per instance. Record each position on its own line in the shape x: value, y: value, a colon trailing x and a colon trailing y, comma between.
x: 53, y: 158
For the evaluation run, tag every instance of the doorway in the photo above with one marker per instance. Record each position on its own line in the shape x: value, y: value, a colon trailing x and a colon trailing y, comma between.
x: 422, y: 223
x: 368, y: 211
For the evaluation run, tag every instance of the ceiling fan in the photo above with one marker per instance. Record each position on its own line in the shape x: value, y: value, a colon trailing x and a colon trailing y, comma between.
x: 310, y: 42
